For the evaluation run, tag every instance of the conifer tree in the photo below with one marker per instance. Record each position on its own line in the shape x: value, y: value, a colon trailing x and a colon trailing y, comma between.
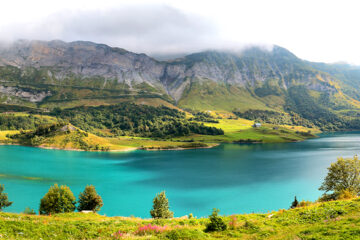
x: 4, y: 201
x: 216, y: 223
x: 90, y: 200
x: 161, y: 207
x: 295, y: 203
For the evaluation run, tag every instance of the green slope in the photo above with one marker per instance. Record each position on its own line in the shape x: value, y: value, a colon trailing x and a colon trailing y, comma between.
x: 330, y: 220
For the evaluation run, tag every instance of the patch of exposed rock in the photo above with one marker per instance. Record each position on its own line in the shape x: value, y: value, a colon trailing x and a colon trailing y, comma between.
x: 29, y: 95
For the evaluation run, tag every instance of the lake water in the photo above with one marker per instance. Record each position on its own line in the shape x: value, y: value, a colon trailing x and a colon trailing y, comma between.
x: 236, y: 178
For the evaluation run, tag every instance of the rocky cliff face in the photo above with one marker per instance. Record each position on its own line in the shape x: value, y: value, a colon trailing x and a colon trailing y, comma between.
x: 85, y: 59
x: 256, y: 69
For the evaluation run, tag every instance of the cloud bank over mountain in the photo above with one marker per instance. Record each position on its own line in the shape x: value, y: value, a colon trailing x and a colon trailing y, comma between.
x: 315, y: 30
x: 158, y: 28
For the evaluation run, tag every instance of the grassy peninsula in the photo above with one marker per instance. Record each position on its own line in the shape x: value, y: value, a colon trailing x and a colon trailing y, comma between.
x: 129, y: 126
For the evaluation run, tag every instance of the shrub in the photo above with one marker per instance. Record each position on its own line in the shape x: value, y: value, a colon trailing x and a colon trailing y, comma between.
x: 4, y: 201
x: 58, y: 200
x: 304, y: 203
x: 29, y: 211
x: 216, y: 222
x: 251, y: 225
x: 161, y: 207
x: 90, y: 200
x: 346, y: 194
x: 327, y: 197
x: 295, y: 203
x: 185, y: 234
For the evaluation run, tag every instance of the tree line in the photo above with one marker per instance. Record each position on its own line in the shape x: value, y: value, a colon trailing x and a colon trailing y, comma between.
x: 13, y: 121
x: 60, y: 199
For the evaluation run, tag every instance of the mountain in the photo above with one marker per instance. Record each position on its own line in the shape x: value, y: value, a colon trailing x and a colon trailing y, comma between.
x: 249, y: 82
x: 349, y: 76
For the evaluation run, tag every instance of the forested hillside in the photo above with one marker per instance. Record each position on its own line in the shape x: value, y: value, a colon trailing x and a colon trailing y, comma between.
x: 42, y: 76
x: 134, y: 120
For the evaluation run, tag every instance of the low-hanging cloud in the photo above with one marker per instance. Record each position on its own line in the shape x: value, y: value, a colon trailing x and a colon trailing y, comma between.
x: 153, y: 29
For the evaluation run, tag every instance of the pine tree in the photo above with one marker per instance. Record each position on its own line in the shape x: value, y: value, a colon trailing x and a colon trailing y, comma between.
x: 295, y: 203
x: 216, y: 222
x: 90, y: 200
x: 161, y: 207
x: 4, y: 201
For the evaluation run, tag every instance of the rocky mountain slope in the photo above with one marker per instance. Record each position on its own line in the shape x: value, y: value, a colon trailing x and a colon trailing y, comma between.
x: 255, y: 78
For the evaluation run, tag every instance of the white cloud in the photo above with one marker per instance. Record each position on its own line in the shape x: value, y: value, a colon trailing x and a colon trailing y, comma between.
x: 314, y: 30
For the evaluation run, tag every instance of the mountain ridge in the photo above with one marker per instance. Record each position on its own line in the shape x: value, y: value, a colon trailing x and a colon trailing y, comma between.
x: 254, y: 78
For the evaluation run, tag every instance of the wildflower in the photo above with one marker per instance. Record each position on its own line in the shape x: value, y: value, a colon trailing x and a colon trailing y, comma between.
x: 233, y: 222
x: 149, y: 229
x: 118, y: 234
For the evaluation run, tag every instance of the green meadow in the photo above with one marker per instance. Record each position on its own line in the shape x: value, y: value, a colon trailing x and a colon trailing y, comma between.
x: 328, y: 220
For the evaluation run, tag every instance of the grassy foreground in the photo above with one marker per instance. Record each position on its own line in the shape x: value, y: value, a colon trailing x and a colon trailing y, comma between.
x: 329, y: 220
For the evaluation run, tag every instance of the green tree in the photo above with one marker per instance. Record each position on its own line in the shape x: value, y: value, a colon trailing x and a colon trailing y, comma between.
x: 161, y: 207
x: 295, y: 203
x: 58, y: 200
x: 89, y: 200
x: 4, y: 201
x: 216, y: 223
x: 342, y: 175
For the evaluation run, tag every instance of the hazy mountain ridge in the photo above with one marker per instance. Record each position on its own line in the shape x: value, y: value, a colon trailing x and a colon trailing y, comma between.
x: 254, y: 78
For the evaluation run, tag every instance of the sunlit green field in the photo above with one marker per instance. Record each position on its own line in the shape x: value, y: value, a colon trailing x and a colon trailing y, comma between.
x: 241, y: 130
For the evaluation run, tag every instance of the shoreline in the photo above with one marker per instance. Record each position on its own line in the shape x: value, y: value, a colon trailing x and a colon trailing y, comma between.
x: 180, y: 148
x: 128, y: 149
x: 159, y: 148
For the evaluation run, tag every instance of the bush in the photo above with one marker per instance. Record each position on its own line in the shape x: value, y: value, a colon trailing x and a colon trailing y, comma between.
x: 251, y: 225
x: 216, y: 222
x: 4, y: 201
x: 161, y: 207
x: 29, y: 211
x: 185, y: 234
x: 58, y: 200
x: 304, y: 203
x: 346, y: 194
x: 295, y: 203
x: 341, y: 195
x: 89, y: 200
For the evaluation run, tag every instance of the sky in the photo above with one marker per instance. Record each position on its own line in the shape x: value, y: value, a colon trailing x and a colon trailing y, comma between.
x: 315, y: 30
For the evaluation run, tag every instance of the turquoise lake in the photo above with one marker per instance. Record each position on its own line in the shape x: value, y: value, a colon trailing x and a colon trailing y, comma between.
x: 236, y: 178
